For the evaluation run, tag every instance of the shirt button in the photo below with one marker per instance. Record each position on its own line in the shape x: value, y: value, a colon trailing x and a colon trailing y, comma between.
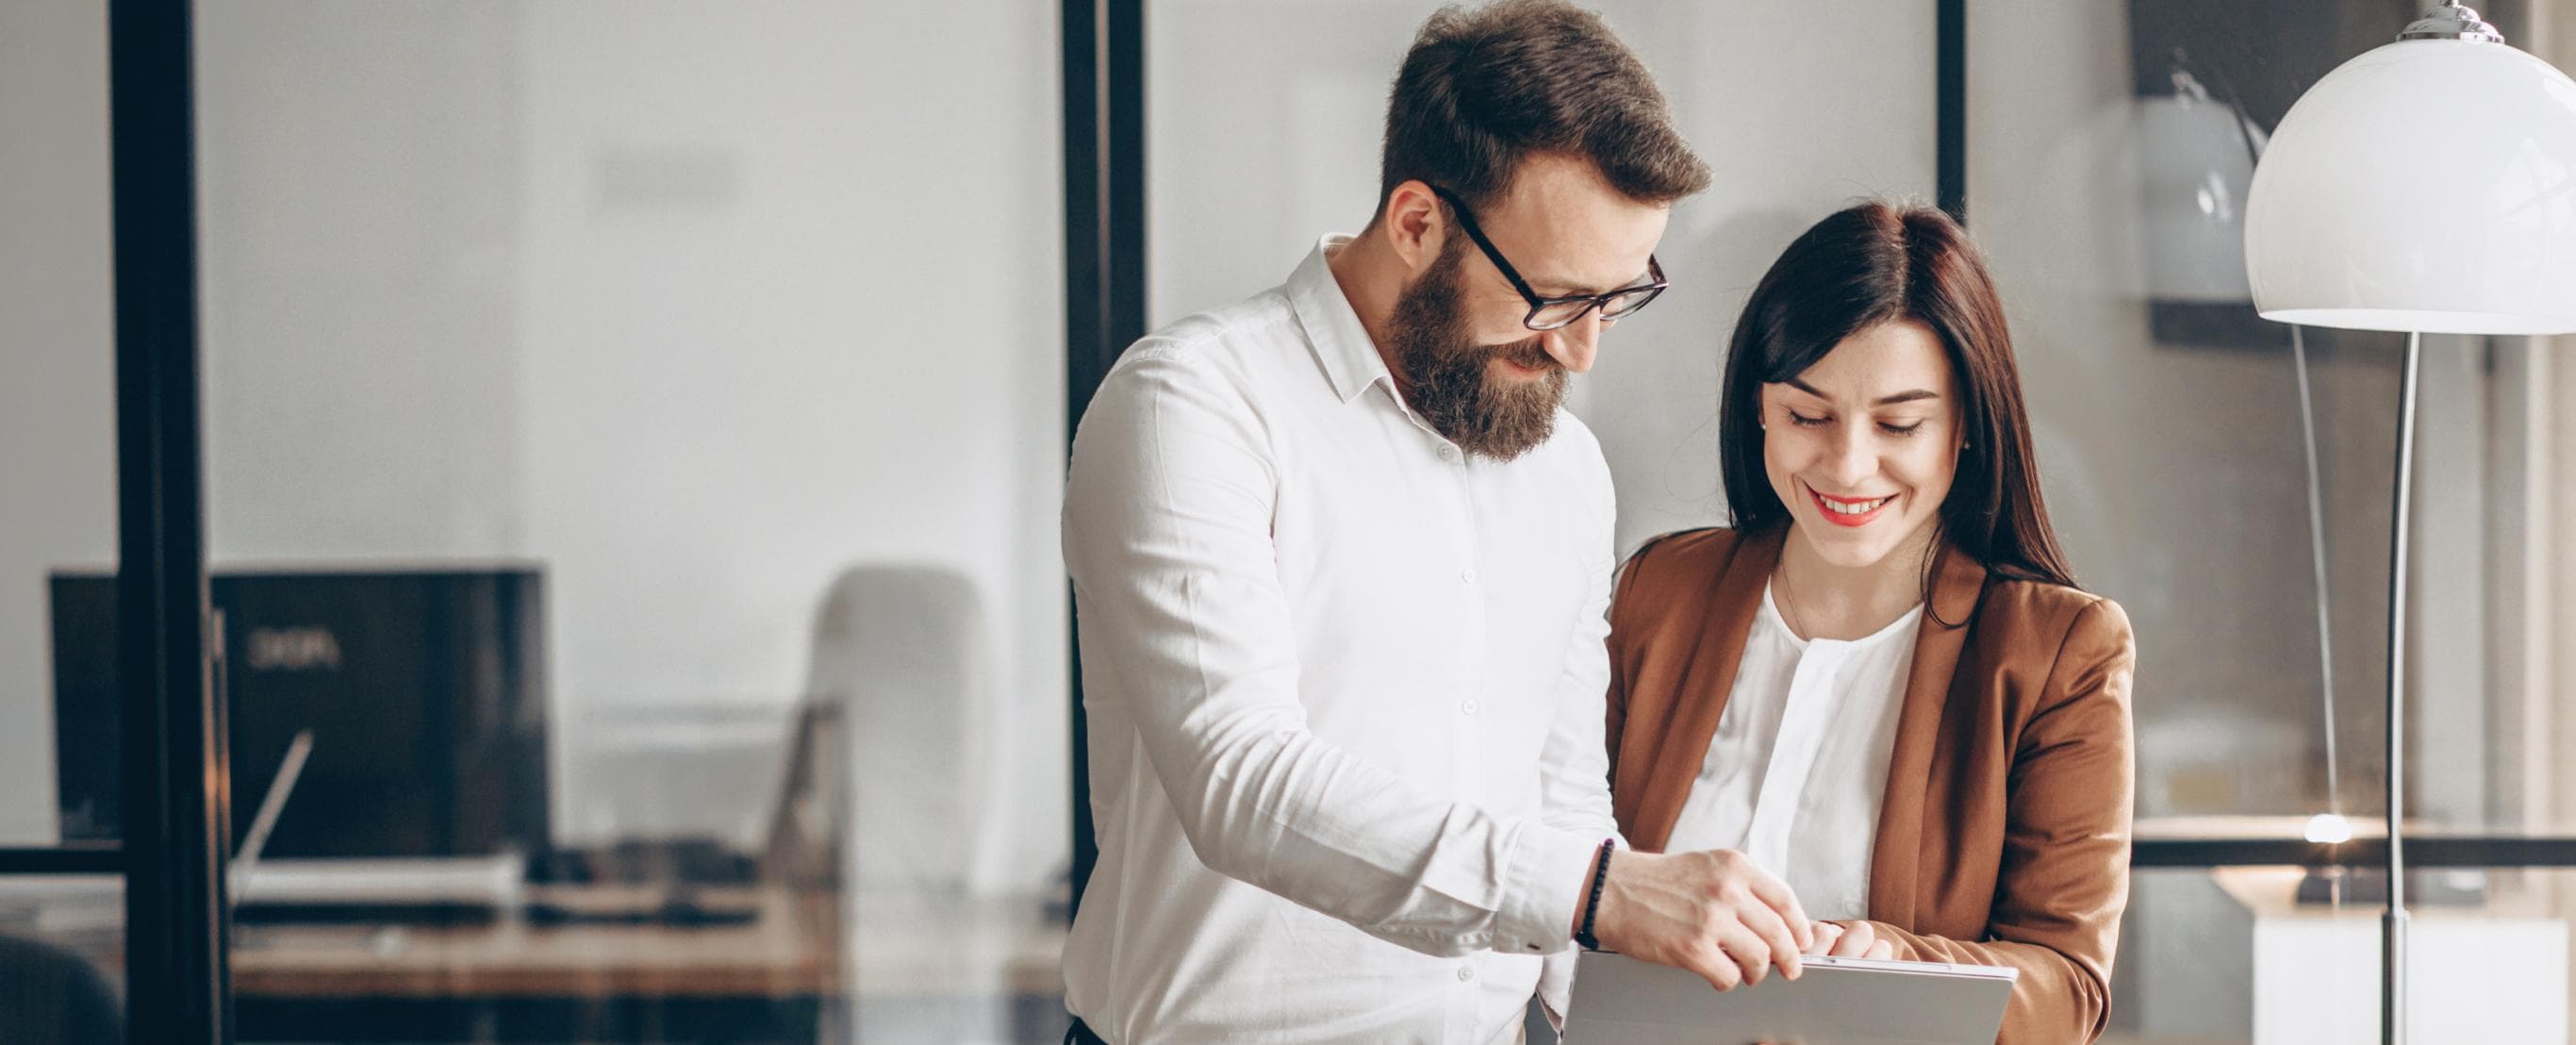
x: 1448, y: 453
x: 1467, y: 575
x: 1470, y: 706
x: 1466, y: 973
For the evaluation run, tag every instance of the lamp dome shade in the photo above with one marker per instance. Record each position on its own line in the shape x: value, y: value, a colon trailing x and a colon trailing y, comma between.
x: 2427, y: 185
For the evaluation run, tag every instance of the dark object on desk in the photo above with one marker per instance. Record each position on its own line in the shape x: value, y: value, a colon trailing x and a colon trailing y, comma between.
x: 426, y: 912
x: 669, y: 880
x: 647, y: 861
x: 50, y: 996
x: 551, y: 1020
x: 2368, y: 887
x: 678, y: 908
x: 424, y: 688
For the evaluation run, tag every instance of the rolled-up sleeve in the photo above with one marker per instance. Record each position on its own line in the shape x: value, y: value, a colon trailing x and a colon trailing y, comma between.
x: 1167, y: 522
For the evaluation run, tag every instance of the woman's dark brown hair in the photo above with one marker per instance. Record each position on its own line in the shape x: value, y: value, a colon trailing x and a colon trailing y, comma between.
x: 1881, y: 263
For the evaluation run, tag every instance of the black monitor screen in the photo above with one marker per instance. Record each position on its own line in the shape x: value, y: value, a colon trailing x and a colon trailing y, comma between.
x: 422, y: 688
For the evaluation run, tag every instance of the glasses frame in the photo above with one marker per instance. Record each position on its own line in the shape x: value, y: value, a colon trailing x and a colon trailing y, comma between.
x: 1653, y: 287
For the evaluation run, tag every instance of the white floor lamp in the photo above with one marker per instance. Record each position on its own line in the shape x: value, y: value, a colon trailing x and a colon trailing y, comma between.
x: 2427, y: 186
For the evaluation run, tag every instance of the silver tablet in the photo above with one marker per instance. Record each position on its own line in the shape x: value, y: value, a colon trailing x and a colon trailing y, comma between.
x: 1835, y: 1001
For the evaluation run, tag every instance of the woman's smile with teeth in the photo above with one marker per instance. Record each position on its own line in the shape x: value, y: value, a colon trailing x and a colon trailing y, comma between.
x: 1853, y: 507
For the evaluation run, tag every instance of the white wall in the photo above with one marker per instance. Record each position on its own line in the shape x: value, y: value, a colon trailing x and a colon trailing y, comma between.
x: 57, y: 369
x: 1793, y: 133
x: 819, y: 324
x: 359, y: 252
x: 695, y: 304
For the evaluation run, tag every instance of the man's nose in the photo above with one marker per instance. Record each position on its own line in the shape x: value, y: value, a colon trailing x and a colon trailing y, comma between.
x: 1574, y: 345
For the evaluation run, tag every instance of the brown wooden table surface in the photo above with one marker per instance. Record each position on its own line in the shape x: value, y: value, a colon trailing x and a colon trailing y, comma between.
x: 792, y: 950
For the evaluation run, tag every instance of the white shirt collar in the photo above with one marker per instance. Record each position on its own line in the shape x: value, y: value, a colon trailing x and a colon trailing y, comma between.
x: 1342, y: 344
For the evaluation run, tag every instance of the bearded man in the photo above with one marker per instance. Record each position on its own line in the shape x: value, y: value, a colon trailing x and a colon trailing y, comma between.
x: 1340, y: 565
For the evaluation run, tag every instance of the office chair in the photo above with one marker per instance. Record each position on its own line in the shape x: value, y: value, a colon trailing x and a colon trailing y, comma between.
x: 895, y: 746
x: 50, y: 996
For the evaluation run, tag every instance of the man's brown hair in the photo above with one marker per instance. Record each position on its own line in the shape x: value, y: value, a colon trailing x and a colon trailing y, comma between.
x: 1484, y: 88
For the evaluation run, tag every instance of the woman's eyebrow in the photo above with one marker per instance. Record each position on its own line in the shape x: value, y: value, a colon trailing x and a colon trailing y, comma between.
x: 1907, y: 396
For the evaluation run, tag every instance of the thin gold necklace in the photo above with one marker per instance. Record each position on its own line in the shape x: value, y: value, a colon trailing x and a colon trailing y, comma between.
x: 1789, y: 601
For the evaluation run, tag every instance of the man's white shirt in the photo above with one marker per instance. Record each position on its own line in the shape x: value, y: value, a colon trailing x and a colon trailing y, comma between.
x: 1344, y: 686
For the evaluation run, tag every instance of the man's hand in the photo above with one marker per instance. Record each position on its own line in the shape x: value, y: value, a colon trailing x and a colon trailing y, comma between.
x: 1712, y: 913
x: 1850, y: 940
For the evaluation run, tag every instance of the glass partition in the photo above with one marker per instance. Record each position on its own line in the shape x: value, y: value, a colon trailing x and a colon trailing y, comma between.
x: 633, y: 434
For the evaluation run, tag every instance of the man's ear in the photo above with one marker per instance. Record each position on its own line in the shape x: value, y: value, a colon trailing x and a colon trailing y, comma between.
x: 1416, y: 226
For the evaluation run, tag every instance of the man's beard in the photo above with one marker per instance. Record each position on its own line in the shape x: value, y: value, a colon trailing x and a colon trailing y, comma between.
x: 1450, y: 379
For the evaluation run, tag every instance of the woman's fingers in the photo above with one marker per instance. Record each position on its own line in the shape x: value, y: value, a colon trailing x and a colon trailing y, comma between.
x: 1825, y: 934
x: 1857, y: 940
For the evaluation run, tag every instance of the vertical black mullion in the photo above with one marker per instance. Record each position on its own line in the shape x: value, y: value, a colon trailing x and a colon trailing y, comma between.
x: 1084, y: 269
x: 1104, y: 263
x: 1126, y: 175
x: 177, y: 978
x: 1950, y: 77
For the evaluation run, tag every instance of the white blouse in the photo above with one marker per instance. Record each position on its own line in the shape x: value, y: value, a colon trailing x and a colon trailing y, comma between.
x: 1797, y: 770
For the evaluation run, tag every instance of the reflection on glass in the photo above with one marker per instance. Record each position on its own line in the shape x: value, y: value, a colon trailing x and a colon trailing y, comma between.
x: 57, y: 379
x: 680, y: 631
x: 2105, y: 183
x: 2107, y: 162
x: 61, y: 937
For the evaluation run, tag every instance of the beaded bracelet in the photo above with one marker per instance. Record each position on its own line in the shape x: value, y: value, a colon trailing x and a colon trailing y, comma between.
x: 1592, y: 906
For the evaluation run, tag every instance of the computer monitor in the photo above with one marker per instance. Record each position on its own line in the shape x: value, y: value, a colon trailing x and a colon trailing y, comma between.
x: 423, y: 687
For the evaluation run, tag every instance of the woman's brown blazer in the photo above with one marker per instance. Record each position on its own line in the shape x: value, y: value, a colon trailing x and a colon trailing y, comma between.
x: 2004, y: 835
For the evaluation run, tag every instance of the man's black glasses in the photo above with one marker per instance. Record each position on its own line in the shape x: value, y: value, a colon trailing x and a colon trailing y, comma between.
x: 1558, y: 313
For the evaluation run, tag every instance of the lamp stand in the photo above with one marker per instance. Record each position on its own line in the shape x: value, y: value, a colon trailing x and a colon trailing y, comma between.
x: 2392, y: 922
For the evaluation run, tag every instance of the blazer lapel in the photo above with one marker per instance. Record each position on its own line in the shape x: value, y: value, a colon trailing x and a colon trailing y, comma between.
x: 1734, y: 597
x: 1895, y: 861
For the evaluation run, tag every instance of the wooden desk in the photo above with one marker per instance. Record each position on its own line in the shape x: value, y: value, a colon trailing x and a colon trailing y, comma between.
x: 789, y: 976
x: 792, y: 950
x: 774, y: 979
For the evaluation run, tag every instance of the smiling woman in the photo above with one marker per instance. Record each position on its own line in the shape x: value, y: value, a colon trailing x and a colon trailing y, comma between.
x: 1892, y: 311
x: 1866, y: 429
x: 1882, y: 686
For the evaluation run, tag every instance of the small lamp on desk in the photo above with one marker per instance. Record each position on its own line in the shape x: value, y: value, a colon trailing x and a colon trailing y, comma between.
x: 2427, y: 186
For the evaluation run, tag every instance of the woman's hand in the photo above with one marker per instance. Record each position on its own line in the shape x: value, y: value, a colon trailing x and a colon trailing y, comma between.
x: 1853, y: 939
